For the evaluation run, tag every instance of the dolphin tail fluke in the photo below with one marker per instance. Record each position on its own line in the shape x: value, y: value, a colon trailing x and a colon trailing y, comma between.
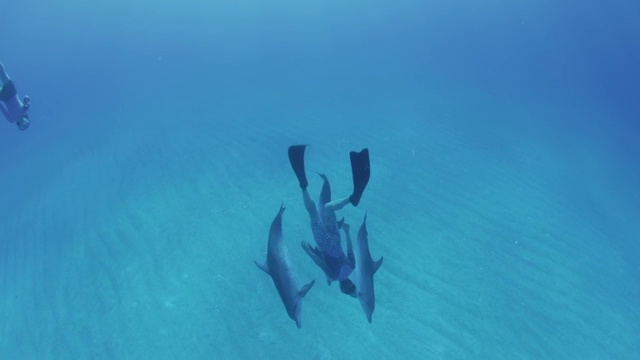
x: 296, y: 158
x: 275, y: 232
x: 305, y: 289
x: 325, y: 193
x: 361, y: 171
x: 323, y: 176
x: 263, y: 267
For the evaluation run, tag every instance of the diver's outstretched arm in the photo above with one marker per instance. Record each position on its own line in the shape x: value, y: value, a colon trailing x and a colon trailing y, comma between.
x: 337, y: 204
x: 4, y: 77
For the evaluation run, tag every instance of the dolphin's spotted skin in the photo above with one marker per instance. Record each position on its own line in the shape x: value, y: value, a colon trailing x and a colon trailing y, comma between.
x: 327, y: 238
x: 337, y: 266
x: 365, y: 268
x: 326, y: 233
x: 277, y: 266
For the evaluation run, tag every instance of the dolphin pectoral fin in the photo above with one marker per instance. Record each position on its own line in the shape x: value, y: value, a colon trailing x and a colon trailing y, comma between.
x: 314, y: 254
x: 376, y: 264
x: 263, y: 267
x: 340, y: 223
x: 308, y: 249
x: 305, y: 289
x: 317, y: 257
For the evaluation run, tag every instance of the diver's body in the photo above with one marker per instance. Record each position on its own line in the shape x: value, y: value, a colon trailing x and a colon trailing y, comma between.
x: 329, y: 254
x: 14, y: 110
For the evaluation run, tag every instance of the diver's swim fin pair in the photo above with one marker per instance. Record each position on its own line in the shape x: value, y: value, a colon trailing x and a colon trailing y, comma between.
x: 360, y: 169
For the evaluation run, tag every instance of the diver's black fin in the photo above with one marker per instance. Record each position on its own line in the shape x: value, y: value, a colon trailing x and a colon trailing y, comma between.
x: 296, y: 158
x: 361, y: 171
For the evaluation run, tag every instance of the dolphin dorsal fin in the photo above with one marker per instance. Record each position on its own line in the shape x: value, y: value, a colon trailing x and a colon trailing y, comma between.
x: 305, y: 289
x: 376, y: 264
x: 264, y: 267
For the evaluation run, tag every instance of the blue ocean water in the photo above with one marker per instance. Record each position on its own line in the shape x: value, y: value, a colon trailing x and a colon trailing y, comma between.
x: 504, y: 191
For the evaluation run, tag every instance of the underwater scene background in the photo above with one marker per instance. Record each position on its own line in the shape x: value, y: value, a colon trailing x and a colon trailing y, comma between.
x: 503, y: 195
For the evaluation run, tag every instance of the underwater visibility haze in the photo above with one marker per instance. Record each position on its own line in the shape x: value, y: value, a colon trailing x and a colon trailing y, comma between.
x: 503, y: 196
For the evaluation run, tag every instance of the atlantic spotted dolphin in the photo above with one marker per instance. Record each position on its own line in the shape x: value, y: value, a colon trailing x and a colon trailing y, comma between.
x: 365, y: 268
x: 328, y: 254
x: 277, y: 266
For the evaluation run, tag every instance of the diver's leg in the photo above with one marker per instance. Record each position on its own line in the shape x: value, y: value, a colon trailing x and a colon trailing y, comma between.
x: 296, y: 159
x: 310, y: 205
x: 337, y: 204
x: 4, y: 77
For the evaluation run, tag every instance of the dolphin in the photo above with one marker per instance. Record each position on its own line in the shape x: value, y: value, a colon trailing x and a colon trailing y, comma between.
x: 365, y: 268
x: 277, y: 266
x: 328, y: 218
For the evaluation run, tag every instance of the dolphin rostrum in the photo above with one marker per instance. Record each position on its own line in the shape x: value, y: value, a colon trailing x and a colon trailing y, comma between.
x: 277, y: 266
x: 365, y: 268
